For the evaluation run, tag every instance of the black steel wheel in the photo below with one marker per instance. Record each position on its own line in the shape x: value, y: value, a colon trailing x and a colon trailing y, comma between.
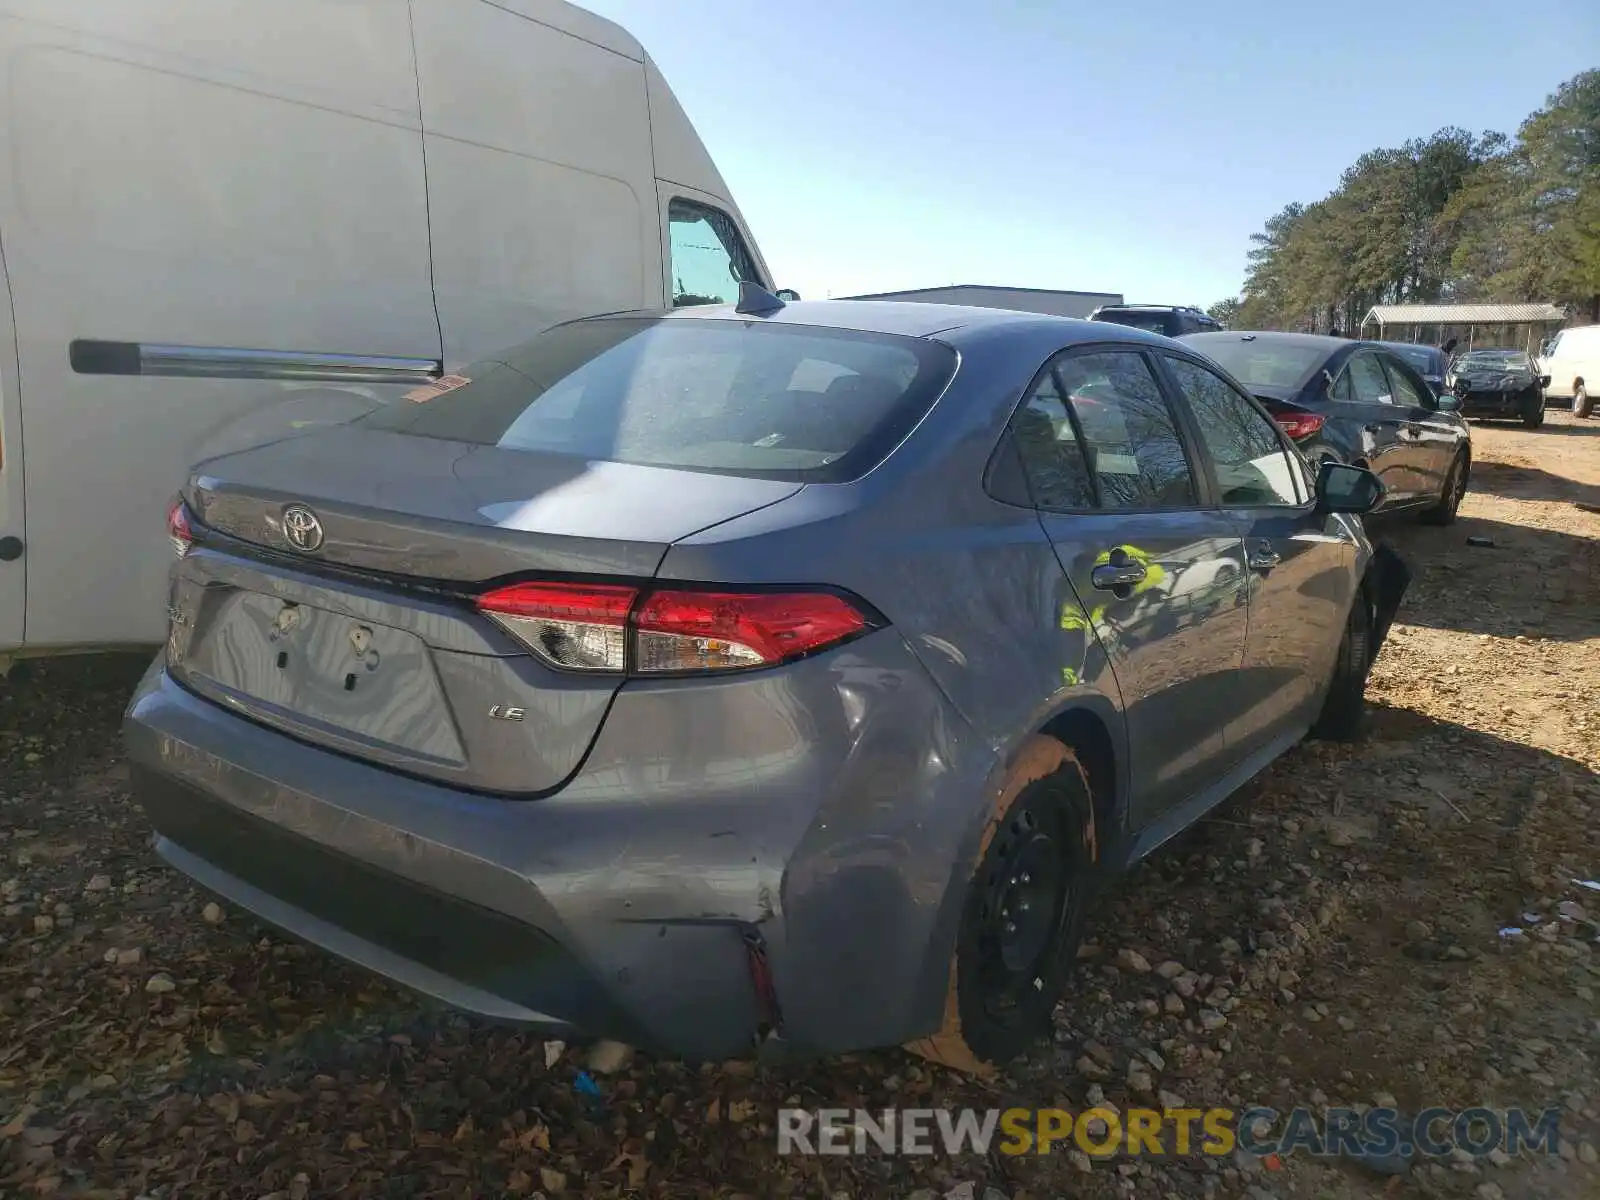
x: 1022, y: 916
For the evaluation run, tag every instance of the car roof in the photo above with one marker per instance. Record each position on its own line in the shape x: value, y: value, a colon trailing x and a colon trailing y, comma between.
x: 1309, y: 341
x: 1188, y: 308
x: 950, y: 322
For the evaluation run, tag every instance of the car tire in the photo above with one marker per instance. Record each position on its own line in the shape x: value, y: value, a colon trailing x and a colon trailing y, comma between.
x: 1534, y: 418
x: 1455, y: 487
x: 1039, y: 851
x: 1582, y: 402
x: 1345, y: 708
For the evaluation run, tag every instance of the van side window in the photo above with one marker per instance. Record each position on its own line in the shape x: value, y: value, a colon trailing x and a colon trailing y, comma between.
x: 709, y: 259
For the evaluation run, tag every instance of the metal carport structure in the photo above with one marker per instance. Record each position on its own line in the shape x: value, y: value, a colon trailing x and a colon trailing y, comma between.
x: 1392, y: 320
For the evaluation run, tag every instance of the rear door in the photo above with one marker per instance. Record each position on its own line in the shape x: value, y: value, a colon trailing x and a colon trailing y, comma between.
x: 1161, y: 573
x: 1366, y: 401
x: 1298, y: 573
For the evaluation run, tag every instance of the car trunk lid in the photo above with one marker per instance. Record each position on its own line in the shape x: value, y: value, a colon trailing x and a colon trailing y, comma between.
x: 363, y: 637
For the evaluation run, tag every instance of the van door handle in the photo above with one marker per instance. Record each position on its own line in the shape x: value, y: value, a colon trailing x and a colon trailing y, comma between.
x: 1111, y: 576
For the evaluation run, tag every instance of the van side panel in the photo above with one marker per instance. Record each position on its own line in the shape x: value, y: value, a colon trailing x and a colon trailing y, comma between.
x: 196, y: 174
x: 13, y: 524
x: 540, y: 178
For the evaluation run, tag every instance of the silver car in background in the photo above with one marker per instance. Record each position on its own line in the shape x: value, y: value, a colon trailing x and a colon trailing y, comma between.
x: 775, y: 675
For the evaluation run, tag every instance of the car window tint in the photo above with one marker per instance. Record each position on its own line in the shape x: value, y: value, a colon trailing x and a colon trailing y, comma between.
x: 1405, y: 392
x: 1368, y: 382
x: 1058, y: 475
x: 1251, y: 466
x: 709, y: 259
x: 1130, y: 437
x: 773, y: 401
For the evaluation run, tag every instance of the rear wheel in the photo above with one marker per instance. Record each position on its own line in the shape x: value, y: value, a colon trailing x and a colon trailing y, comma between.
x: 1582, y: 403
x: 1023, y: 914
x: 1345, y: 709
x: 1455, y: 487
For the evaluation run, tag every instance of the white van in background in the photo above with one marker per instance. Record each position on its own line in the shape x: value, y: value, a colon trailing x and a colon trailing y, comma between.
x: 207, y: 210
x: 1572, y: 360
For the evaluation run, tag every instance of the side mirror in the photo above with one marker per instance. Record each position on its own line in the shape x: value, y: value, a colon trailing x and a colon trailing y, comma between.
x: 1544, y: 381
x: 1448, y: 402
x: 787, y: 295
x: 1347, y: 489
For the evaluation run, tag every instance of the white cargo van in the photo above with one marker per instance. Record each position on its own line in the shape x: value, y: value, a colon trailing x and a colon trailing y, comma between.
x: 208, y: 209
x: 1572, y: 360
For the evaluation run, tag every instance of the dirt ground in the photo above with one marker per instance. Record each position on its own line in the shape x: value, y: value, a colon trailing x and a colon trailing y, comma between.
x: 1338, y: 925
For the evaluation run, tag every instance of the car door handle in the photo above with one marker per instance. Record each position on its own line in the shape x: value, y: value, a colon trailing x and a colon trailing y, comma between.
x: 1264, y: 557
x: 1114, y: 575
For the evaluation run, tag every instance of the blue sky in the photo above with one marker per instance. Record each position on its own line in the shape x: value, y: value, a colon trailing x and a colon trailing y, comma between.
x: 1128, y: 147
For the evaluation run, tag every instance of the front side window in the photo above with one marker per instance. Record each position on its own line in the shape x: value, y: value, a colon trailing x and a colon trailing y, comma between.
x: 789, y: 402
x: 1368, y: 383
x: 709, y: 259
x: 1253, y: 469
x: 1129, y: 435
x: 1405, y: 392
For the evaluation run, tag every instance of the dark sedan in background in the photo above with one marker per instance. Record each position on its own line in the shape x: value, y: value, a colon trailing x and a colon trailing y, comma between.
x: 1498, y: 383
x: 1356, y: 402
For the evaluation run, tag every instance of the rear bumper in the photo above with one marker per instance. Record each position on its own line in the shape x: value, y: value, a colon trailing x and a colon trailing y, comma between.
x: 826, y: 808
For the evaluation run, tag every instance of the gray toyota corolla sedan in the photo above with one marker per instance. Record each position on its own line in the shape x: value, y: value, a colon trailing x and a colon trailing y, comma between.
x: 787, y: 677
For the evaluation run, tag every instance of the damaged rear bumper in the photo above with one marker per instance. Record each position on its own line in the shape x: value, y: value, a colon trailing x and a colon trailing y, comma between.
x: 692, y: 912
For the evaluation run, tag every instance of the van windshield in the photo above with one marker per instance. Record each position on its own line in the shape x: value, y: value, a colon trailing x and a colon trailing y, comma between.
x: 772, y: 401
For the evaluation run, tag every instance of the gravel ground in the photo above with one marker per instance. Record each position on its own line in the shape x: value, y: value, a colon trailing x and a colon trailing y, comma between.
x: 1333, y: 935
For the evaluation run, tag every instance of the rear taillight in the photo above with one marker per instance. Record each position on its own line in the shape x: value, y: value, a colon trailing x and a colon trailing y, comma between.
x: 579, y: 627
x: 1298, y: 425
x: 583, y: 627
x: 178, y: 531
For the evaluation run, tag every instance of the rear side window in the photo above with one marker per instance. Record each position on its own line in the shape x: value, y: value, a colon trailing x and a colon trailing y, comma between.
x: 1129, y: 435
x: 709, y: 259
x: 766, y: 400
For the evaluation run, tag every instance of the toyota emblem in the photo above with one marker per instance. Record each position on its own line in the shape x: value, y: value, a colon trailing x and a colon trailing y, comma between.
x: 301, y: 528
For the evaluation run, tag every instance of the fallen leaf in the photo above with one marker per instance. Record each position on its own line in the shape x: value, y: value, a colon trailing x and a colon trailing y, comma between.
x: 552, y: 1179
x: 714, y: 1113
x: 463, y: 1130
x: 355, y: 1141
x: 534, y: 1137
x: 741, y: 1110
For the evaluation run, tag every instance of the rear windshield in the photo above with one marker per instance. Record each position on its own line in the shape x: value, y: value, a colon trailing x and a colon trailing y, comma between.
x: 1422, y: 358
x: 1506, y: 359
x: 1155, y: 322
x: 772, y: 401
x: 1260, y: 362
